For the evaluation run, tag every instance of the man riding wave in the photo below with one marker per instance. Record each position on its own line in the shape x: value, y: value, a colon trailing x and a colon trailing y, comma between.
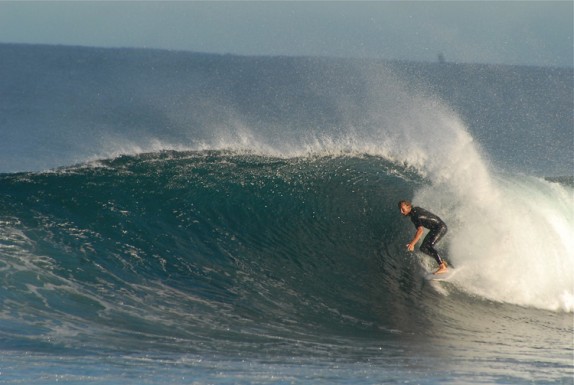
x: 422, y: 218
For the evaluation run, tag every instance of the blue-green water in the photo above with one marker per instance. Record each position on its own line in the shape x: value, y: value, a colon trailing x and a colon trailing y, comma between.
x: 273, y: 253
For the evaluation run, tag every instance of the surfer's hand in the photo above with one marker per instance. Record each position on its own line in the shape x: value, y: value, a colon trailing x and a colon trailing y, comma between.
x: 410, y: 247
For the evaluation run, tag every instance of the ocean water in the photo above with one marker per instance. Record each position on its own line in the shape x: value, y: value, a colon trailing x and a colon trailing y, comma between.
x: 182, y: 218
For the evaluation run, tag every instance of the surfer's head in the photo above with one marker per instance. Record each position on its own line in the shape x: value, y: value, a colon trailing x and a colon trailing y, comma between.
x: 405, y: 207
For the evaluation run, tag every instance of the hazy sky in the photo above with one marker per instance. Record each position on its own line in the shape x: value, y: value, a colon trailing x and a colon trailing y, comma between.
x: 510, y: 32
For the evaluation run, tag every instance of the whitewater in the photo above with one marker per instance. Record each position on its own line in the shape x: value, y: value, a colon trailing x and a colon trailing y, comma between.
x: 187, y: 218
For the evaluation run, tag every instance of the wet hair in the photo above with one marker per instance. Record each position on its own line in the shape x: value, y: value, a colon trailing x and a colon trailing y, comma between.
x: 403, y: 202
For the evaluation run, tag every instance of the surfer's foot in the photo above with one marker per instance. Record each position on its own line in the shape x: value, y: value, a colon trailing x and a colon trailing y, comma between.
x: 441, y: 268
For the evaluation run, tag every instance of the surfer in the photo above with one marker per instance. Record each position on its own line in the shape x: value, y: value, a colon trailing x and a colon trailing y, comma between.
x: 423, y: 218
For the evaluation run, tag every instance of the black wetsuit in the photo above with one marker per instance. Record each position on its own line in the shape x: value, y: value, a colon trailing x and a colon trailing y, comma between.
x: 422, y: 217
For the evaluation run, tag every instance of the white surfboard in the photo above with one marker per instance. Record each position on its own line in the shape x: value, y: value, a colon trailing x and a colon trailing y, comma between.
x: 441, y: 277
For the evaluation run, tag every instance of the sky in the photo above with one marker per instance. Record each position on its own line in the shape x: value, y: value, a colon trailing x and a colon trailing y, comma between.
x: 536, y: 33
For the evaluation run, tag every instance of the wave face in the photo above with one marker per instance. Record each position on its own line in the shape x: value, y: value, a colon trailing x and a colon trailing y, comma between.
x: 191, y: 245
x: 211, y: 253
x: 266, y: 234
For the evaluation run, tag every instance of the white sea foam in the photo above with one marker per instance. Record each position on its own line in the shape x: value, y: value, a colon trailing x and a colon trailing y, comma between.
x: 518, y: 247
x: 514, y: 234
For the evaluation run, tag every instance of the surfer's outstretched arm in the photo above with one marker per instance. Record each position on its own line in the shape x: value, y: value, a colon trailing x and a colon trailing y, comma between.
x: 418, y: 235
